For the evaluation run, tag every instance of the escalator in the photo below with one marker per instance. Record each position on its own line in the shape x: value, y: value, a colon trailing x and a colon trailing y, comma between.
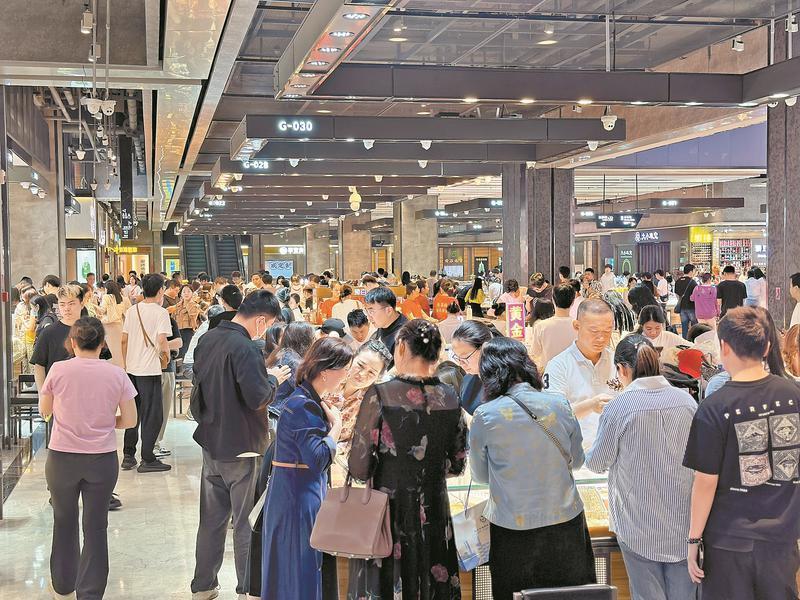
x: 226, y: 255
x: 195, y: 255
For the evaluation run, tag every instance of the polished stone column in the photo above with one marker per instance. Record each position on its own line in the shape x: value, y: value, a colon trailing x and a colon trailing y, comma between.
x: 318, y: 252
x: 783, y: 199
x: 538, y: 209
x: 355, y: 247
x: 415, y: 240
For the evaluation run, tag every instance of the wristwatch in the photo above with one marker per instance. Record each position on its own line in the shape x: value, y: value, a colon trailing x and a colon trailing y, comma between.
x: 694, y: 541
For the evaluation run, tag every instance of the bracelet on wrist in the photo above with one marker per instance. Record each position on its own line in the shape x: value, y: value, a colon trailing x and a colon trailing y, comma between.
x: 694, y: 541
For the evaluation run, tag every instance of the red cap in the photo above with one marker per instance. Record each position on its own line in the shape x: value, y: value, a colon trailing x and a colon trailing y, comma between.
x: 690, y: 361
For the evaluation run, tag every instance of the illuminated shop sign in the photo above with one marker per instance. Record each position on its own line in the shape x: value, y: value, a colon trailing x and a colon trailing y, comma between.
x: 646, y: 236
x: 295, y: 125
x: 256, y: 165
x: 618, y: 220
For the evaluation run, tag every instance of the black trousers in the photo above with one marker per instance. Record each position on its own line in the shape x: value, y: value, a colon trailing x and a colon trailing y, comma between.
x: 768, y: 572
x: 553, y: 556
x: 91, y: 477
x: 150, y: 414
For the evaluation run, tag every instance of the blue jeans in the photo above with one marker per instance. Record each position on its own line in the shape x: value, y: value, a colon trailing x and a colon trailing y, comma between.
x: 688, y: 320
x: 651, y: 580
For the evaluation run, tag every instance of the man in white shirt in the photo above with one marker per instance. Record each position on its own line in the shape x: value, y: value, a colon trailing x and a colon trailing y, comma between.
x: 144, y: 336
x: 554, y: 335
x: 359, y: 328
x: 495, y: 291
x: 795, y: 292
x: 582, y: 372
x: 608, y: 280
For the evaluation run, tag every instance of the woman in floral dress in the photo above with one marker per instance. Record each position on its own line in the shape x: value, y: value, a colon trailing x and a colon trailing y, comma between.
x: 409, y: 436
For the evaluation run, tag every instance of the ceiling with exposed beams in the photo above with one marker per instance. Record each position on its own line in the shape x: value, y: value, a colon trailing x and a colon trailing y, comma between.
x: 478, y: 33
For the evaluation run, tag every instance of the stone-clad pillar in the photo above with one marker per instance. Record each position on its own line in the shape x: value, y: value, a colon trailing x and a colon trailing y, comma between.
x: 318, y: 252
x: 416, y: 247
x: 783, y: 199
x: 538, y: 215
x: 355, y: 246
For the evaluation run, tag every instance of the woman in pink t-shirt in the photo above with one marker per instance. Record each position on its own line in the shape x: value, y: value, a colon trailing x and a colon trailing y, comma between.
x: 82, y: 396
x: 704, y: 297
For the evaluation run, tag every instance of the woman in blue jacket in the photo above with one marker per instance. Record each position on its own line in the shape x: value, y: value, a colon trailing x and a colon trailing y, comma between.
x: 308, y: 430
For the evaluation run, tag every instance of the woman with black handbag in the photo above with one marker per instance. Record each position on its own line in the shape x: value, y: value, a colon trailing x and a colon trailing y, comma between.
x: 539, y: 537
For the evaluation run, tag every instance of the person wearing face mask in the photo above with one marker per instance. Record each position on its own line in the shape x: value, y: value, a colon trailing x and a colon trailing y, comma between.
x: 305, y: 446
x: 232, y: 389
x: 640, y: 442
x: 467, y: 342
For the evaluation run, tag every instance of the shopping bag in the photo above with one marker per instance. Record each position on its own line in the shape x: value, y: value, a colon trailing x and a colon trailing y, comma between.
x: 471, y: 534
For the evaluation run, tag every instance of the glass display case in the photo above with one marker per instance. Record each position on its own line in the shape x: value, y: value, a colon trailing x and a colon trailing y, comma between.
x: 593, y: 489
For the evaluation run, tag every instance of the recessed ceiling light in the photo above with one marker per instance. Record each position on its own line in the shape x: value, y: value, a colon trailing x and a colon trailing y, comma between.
x: 547, y: 42
x: 470, y: 99
x: 398, y: 39
x: 299, y: 86
x: 309, y: 75
x: 324, y: 111
x: 693, y: 103
x: 638, y: 102
x: 779, y: 95
x: 318, y: 63
x: 748, y: 104
x: 350, y: 139
x: 424, y: 112
x: 527, y: 101
x: 585, y: 101
x: 291, y: 95
x: 342, y: 34
x: 355, y: 16
x: 329, y: 49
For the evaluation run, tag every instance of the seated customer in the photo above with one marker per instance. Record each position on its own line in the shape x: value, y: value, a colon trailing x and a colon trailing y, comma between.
x: 640, y: 441
x: 538, y: 531
x: 358, y: 327
x: 451, y: 323
x: 743, y: 447
x: 584, y: 372
x: 552, y: 336
x: 653, y: 326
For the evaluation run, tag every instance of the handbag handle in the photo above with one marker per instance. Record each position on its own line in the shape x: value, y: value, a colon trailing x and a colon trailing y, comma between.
x: 549, y: 433
x: 348, y: 484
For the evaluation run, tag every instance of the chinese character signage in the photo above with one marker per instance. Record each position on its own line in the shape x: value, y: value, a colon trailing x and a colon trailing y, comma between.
x: 515, y: 321
x: 618, y: 220
x: 646, y: 236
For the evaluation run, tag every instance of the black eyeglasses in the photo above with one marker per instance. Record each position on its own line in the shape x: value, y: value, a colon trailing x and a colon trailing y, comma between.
x: 464, y: 358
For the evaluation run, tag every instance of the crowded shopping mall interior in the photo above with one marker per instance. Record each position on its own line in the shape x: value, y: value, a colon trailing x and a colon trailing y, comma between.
x: 507, y: 295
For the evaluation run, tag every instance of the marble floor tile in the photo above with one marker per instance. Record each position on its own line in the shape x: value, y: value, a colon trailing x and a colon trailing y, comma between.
x: 151, y: 539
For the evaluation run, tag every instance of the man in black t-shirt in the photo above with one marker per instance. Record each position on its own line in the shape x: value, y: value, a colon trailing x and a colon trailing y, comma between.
x: 731, y: 293
x: 684, y: 287
x: 381, y: 308
x: 744, y: 446
x: 50, y: 346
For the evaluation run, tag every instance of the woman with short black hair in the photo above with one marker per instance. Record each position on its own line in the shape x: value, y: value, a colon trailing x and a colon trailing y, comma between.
x: 409, y: 437
x: 467, y: 342
x: 539, y: 536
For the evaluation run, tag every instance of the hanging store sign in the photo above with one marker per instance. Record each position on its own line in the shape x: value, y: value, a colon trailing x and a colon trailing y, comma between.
x: 515, y: 321
x: 700, y: 235
x: 618, y: 220
x: 126, y: 188
x: 480, y: 266
x: 643, y: 237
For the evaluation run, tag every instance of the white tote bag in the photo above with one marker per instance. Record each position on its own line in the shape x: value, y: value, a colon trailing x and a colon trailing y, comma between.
x: 471, y: 534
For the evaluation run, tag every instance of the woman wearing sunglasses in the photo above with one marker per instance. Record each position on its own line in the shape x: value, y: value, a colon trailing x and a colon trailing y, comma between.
x: 467, y: 342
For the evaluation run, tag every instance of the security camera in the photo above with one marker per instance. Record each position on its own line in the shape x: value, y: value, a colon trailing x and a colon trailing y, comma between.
x: 609, y: 121
x: 593, y: 144
x: 109, y: 107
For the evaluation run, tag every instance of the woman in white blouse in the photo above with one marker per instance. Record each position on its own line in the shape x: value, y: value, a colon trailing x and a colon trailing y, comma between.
x: 345, y: 305
x: 756, y: 285
x: 111, y: 312
x: 653, y: 326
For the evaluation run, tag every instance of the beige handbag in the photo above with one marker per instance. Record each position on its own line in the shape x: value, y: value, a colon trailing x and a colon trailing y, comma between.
x: 353, y: 523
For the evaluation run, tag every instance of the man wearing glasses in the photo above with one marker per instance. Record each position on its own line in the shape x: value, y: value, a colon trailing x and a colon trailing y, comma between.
x: 584, y: 373
x: 381, y: 309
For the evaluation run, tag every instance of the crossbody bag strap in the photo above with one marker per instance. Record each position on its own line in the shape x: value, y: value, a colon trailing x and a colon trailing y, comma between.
x: 549, y: 433
x: 144, y: 333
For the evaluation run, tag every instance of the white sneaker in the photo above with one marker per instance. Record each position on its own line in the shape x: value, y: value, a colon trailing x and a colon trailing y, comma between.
x: 209, y: 595
x: 58, y: 596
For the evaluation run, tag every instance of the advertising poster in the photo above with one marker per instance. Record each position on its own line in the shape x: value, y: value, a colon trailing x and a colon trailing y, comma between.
x: 480, y: 266
x: 171, y: 265
x: 515, y: 321
x: 86, y: 263
x: 280, y: 267
x: 453, y: 263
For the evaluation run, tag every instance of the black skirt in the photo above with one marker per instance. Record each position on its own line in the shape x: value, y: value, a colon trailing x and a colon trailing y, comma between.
x: 553, y: 556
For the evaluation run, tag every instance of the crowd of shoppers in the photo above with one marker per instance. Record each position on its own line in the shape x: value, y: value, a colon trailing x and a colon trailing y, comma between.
x: 378, y: 395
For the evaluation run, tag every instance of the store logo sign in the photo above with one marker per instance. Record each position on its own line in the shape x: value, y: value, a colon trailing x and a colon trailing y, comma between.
x: 646, y: 236
x: 295, y: 125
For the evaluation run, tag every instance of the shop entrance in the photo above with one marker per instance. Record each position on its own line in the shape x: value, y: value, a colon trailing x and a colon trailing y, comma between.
x: 653, y: 256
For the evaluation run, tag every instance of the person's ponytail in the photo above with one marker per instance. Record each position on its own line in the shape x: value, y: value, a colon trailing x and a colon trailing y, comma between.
x: 647, y: 362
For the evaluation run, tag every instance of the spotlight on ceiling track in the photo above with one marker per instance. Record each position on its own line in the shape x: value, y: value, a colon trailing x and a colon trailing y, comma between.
x: 592, y: 144
x: 294, y: 161
x: 309, y: 202
x: 422, y: 163
x: 368, y: 144
x: 791, y: 101
x: 80, y: 153
x: 410, y: 196
x: 378, y: 178
x: 93, y: 185
x: 325, y: 196
x: 426, y: 144
x: 87, y: 22
x: 791, y: 24
x: 737, y: 45
x: 95, y: 52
